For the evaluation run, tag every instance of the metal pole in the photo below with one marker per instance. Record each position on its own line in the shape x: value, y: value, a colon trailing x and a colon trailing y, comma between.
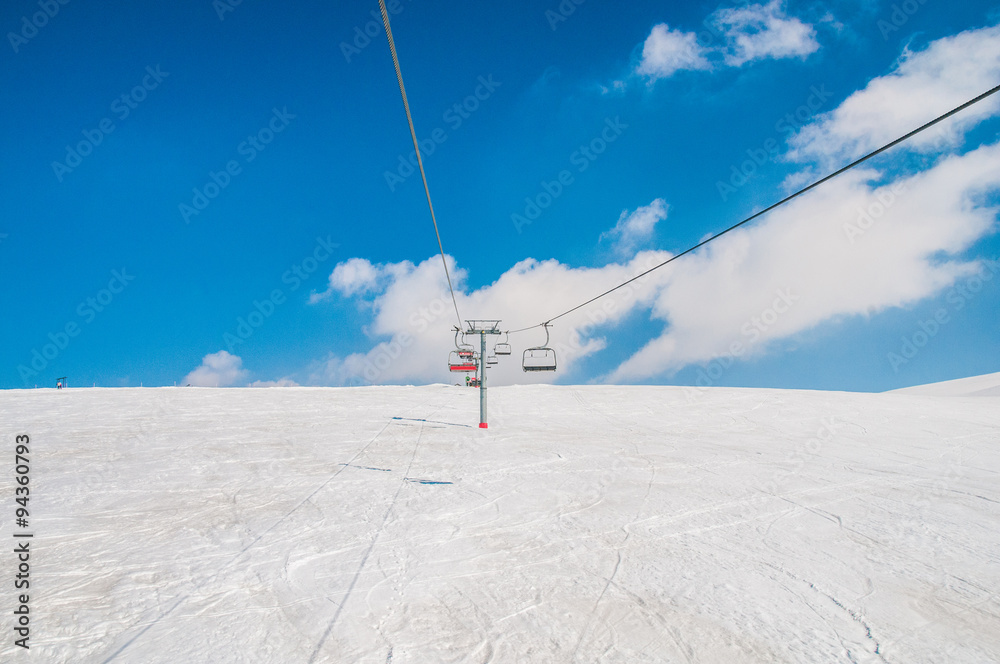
x: 482, y: 380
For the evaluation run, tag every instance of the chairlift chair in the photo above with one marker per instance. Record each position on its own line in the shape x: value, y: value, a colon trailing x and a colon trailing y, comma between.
x: 502, y: 348
x: 458, y: 363
x: 463, y: 358
x: 463, y: 346
x: 491, y: 359
x: 539, y: 358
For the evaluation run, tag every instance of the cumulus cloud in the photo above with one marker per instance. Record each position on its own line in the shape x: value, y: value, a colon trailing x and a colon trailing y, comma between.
x: 746, y: 34
x: 859, y: 245
x: 853, y: 247
x: 921, y: 86
x: 217, y: 370
x: 849, y: 248
x: 758, y: 32
x: 349, y: 277
x: 635, y: 229
x: 667, y: 51
x: 414, y: 317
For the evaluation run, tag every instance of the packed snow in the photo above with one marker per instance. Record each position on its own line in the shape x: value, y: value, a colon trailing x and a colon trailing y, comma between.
x: 587, y: 524
x: 977, y: 386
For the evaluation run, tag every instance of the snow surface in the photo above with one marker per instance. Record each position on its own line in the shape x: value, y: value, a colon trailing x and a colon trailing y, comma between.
x: 587, y: 524
x: 987, y: 385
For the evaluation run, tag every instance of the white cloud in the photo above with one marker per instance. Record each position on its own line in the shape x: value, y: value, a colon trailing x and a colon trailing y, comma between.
x: 352, y: 276
x: 635, y: 229
x: 217, y: 370
x: 750, y: 33
x: 757, y: 32
x: 415, y: 316
x: 818, y: 259
x: 922, y: 85
x: 668, y: 51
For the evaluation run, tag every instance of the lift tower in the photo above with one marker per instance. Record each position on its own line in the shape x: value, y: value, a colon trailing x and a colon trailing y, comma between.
x: 482, y: 328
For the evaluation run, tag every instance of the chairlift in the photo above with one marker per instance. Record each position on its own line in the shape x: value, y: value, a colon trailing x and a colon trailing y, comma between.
x: 463, y: 358
x: 458, y: 363
x: 503, y: 348
x: 539, y: 358
x: 492, y: 359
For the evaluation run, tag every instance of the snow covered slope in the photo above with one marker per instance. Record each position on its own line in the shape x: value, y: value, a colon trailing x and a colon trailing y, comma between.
x: 987, y: 385
x: 587, y: 524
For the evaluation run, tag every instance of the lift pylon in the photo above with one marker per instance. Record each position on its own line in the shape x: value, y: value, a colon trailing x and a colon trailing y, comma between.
x: 482, y: 328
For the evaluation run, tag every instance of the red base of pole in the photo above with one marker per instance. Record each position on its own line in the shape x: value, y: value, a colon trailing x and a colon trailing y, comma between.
x: 483, y: 425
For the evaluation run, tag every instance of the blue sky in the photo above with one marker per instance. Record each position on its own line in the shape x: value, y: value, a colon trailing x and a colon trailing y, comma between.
x: 208, y: 193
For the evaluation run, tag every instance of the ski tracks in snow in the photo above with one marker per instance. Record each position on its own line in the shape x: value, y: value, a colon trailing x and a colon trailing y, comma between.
x: 200, y: 587
x: 374, y: 540
x: 609, y: 524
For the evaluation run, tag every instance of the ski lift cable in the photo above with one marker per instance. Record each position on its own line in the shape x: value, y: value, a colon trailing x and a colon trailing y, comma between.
x: 815, y: 184
x: 416, y: 147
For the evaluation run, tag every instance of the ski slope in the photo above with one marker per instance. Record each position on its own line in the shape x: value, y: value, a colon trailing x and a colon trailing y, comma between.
x: 987, y: 385
x: 587, y: 524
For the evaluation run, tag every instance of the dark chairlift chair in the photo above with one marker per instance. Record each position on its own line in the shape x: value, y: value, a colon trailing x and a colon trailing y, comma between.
x: 539, y: 358
x: 503, y: 348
